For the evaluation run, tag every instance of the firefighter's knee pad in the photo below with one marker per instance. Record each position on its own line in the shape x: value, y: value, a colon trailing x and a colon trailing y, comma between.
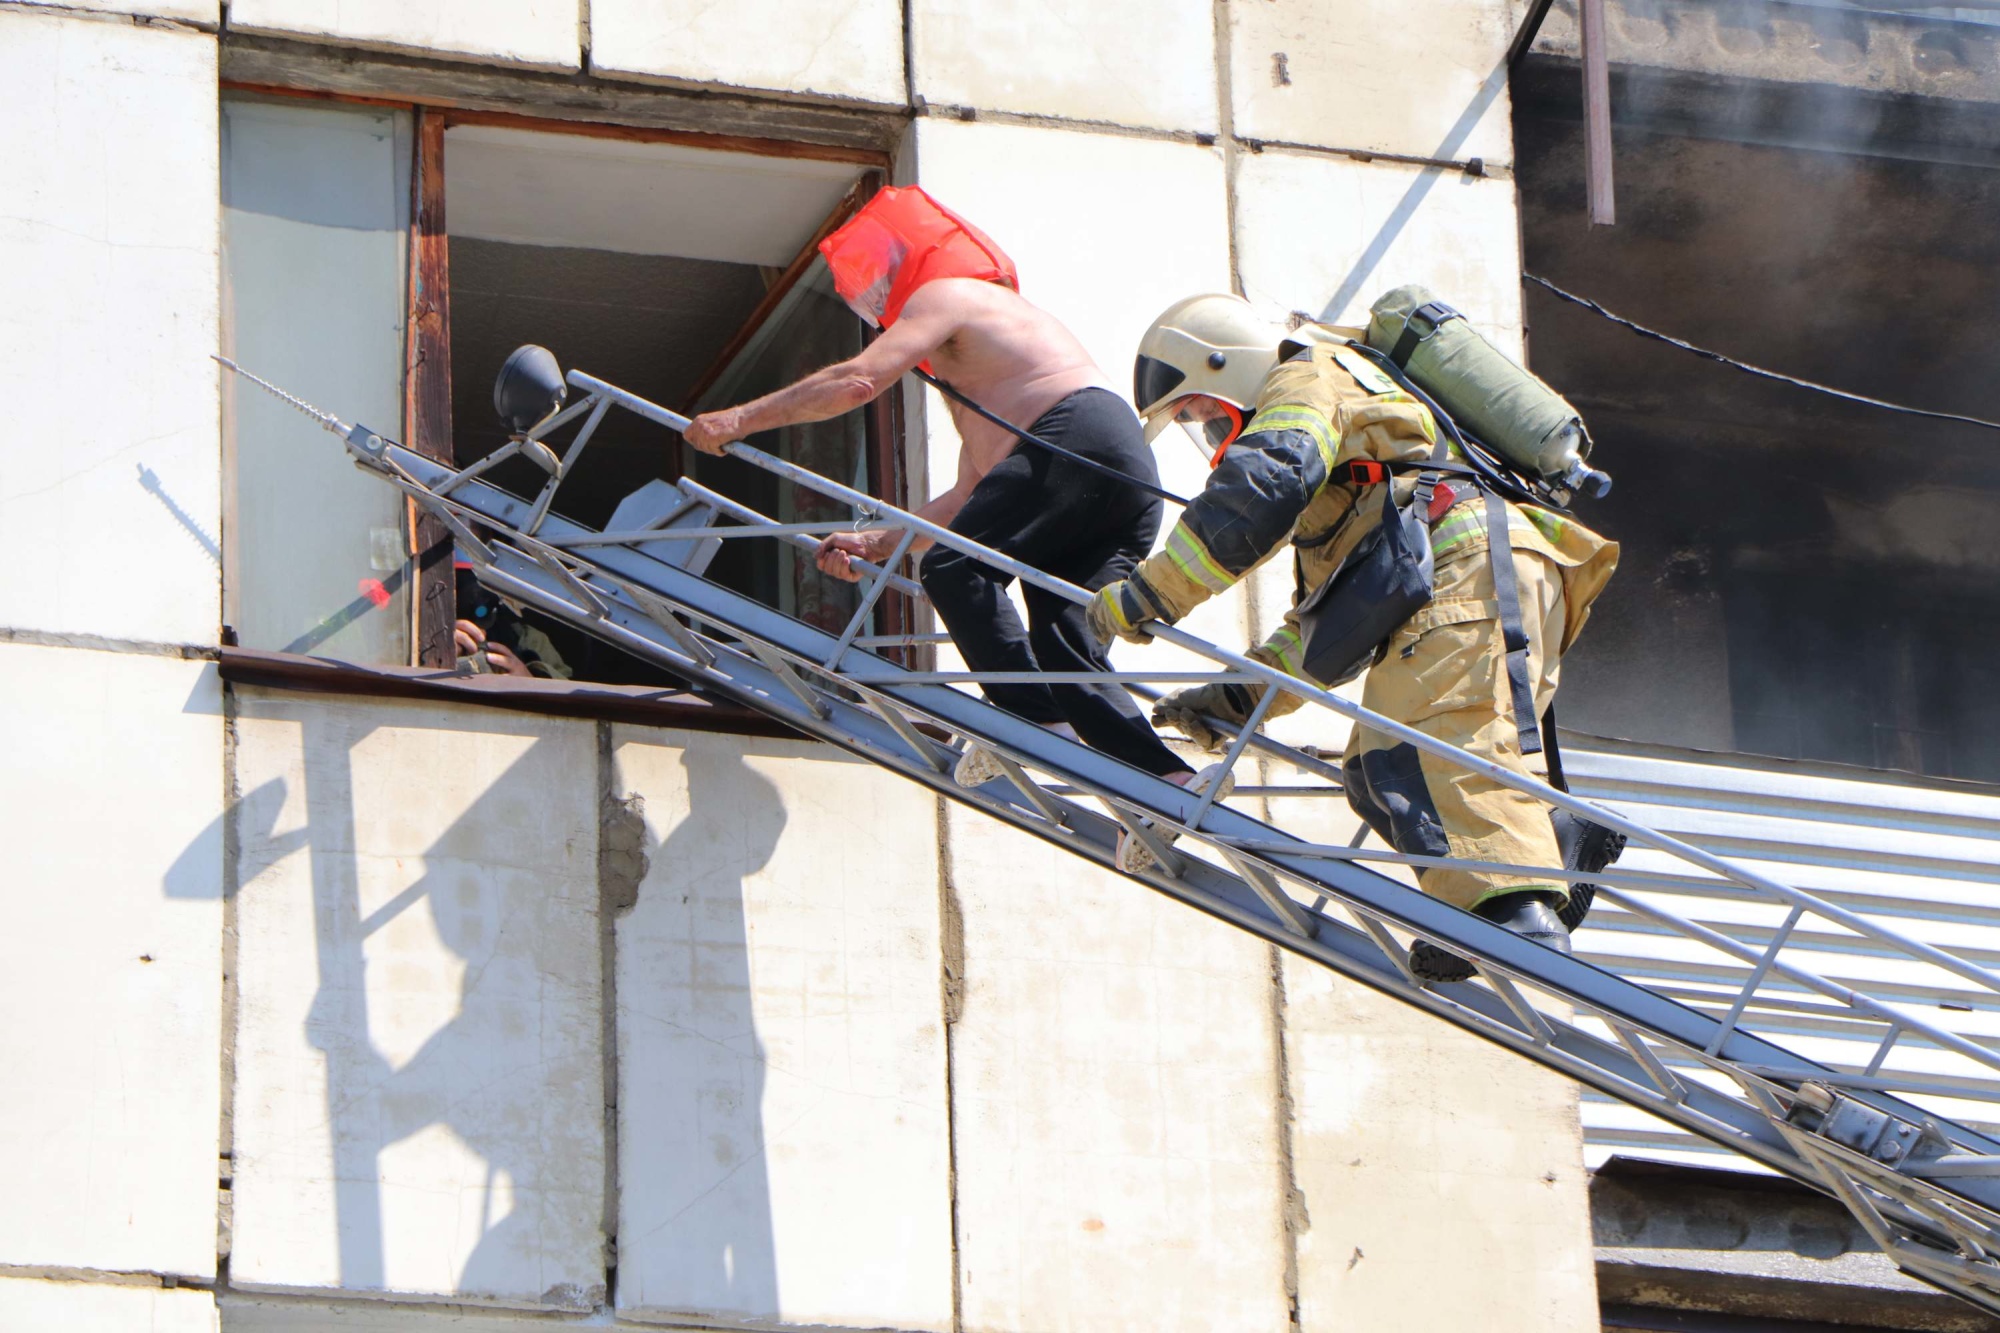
x: 1387, y: 789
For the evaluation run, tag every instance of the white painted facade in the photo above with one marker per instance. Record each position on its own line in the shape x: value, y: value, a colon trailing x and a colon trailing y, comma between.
x: 382, y: 1004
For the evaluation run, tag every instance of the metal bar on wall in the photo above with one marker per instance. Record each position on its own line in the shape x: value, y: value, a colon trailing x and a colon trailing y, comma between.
x: 1597, y: 114
x: 1531, y: 27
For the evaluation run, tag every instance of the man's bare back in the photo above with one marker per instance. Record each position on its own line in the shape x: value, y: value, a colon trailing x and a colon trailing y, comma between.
x: 1014, y: 360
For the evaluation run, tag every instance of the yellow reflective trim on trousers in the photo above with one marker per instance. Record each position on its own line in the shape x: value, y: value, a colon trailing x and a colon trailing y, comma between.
x: 1312, y: 422
x: 1192, y: 559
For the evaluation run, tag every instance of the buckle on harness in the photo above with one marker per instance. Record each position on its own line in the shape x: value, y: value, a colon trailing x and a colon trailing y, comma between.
x: 1366, y: 472
x: 1442, y: 500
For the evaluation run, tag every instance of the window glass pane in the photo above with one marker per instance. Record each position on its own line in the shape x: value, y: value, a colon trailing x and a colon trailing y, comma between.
x: 316, y: 202
x: 810, y: 328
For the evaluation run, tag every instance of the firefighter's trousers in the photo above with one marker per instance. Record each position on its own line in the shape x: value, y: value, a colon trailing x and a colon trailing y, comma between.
x: 1444, y: 672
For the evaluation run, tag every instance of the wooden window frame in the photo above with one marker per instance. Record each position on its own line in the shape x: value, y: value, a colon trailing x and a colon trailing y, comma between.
x: 427, y: 382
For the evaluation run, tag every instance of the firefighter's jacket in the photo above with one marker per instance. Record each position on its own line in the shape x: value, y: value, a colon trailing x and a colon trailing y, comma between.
x: 1321, y: 409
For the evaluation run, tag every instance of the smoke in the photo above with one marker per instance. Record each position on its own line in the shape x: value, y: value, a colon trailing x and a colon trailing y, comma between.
x: 1903, y: 6
x: 1802, y: 184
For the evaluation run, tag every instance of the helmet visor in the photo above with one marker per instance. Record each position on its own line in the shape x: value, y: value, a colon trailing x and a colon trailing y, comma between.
x: 1153, y: 380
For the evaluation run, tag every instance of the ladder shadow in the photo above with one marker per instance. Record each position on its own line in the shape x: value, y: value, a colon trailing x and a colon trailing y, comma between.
x: 516, y: 1175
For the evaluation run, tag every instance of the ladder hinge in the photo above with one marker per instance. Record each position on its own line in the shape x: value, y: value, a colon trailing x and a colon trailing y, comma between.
x: 1856, y: 1125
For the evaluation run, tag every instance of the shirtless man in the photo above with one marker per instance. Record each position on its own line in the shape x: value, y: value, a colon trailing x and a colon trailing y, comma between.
x: 1043, y: 510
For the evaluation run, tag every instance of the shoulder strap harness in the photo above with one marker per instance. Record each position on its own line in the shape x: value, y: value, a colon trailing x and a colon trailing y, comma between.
x: 1430, y: 492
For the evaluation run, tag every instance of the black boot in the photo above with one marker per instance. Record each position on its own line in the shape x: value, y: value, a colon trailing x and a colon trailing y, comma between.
x: 1586, y: 845
x: 1531, y: 915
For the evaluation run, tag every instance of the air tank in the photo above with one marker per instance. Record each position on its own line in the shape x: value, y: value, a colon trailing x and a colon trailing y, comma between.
x: 1488, y: 393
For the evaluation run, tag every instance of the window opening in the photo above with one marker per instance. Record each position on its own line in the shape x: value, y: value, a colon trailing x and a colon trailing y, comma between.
x: 809, y: 328
x: 672, y: 272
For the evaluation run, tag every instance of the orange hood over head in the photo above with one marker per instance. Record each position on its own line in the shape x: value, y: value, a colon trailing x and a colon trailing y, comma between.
x: 900, y: 240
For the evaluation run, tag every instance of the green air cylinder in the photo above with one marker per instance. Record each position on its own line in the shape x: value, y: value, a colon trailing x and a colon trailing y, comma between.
x: 1487, y: 393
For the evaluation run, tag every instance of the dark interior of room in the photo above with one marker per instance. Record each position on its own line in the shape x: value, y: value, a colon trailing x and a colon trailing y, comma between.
x: 648, y: 323
x: 1802, y: 577
x: 655, y: 325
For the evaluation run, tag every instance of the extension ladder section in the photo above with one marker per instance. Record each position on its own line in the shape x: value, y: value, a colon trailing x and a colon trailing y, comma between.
x: 1894, y: 1137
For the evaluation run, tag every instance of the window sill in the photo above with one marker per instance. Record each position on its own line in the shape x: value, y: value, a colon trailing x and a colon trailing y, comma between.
x: 632, y: 704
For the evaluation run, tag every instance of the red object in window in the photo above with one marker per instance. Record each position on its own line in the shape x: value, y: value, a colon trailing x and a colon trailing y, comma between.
x: 373, y: 590
x: 900, y: 240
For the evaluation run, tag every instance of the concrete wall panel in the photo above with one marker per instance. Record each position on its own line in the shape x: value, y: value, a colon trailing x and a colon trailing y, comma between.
x: 419, y: 1099
x: 525, y: 32
x: 78, y: 1307
x: 783, y: 1139
x: 1029, y: 188
x: 1116, y: 1102
x: 1377, y: 225
x: 1129, y: 62
x: 1425, y: 78
x: 111, y: 963
x: 110, y: 474
x: 191, y: 11
x: 1479, y: 1149
x: 836, y: 48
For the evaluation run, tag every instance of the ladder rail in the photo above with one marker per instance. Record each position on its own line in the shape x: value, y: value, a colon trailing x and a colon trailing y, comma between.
x: 1105, y: 779
x: 883, y: 513
x: 1927, y: 1187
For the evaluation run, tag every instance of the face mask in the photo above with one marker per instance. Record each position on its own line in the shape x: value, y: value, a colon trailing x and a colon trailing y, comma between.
x: 865, y: 258
x: 1215, y: 430
x: 870, y: 304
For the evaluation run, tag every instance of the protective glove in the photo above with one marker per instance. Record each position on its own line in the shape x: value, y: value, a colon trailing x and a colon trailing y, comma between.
x: 1184, y: 710
x: 1121, y: 610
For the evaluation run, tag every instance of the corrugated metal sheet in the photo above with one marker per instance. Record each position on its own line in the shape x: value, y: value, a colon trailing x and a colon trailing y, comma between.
x: 1923, y: 859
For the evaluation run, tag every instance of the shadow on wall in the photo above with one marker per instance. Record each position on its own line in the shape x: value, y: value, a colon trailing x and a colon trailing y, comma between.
x: 695, y: 1209
x: 451, y: 1065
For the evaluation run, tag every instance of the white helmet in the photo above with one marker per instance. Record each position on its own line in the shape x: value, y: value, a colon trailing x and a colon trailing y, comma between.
x: 1214, y: 345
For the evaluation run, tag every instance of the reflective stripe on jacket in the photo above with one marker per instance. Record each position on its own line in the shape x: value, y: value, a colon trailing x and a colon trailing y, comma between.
x: 1315, y: 412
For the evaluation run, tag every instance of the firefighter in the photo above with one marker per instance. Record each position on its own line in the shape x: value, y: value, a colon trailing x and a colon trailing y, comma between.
x: 1285, y: 420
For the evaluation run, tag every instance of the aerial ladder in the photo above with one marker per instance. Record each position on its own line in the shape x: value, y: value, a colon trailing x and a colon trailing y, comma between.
x: 1893, y: 1139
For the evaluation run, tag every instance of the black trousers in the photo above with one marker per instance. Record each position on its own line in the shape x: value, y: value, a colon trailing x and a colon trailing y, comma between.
x: 1076, y: 524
